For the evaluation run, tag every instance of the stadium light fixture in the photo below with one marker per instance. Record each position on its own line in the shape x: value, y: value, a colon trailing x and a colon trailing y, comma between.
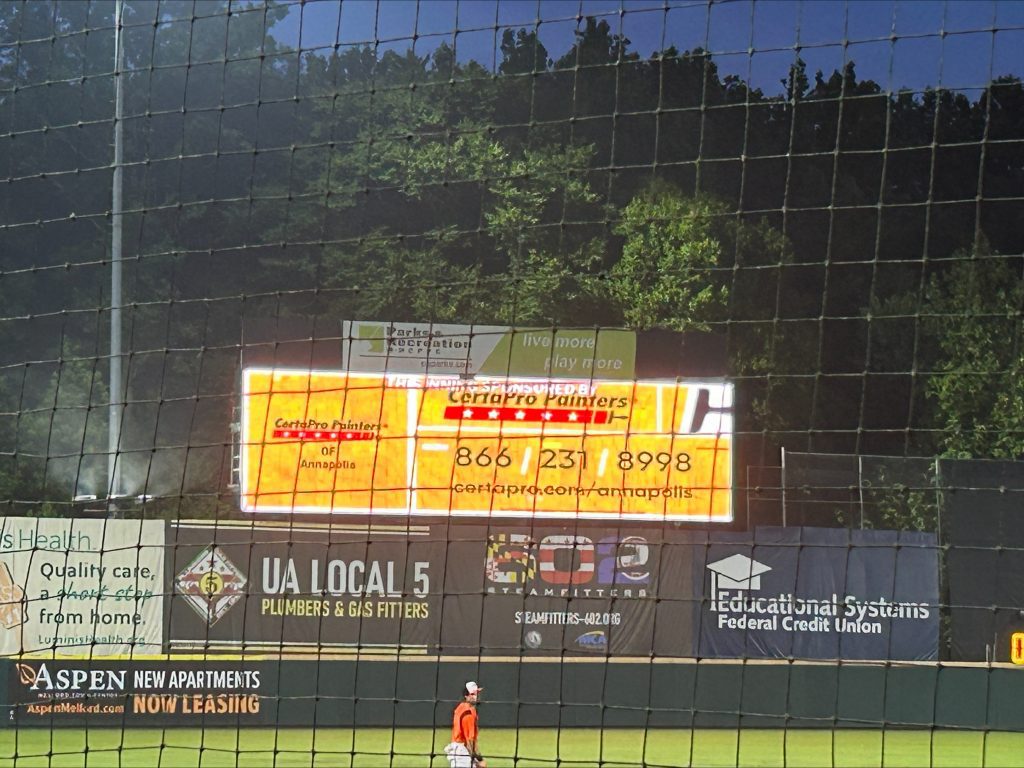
x: 116, y: 404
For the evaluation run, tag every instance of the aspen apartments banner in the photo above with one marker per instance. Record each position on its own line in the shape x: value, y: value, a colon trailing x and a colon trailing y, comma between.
x: 142, y: 693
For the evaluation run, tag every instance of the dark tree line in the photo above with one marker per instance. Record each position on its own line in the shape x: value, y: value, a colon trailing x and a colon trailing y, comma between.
x: 858, y: 250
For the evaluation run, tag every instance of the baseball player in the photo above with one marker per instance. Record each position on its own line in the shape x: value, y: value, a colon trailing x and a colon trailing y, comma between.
x: 464, y: 750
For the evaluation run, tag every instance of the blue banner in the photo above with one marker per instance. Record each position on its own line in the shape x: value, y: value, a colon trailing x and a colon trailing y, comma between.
x: 819, y: 593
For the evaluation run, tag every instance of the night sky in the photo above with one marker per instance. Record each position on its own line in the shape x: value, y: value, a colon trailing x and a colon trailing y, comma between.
x: 898, y: 44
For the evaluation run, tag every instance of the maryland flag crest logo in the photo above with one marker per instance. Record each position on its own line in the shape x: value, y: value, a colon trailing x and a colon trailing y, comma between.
x: 510, y: 558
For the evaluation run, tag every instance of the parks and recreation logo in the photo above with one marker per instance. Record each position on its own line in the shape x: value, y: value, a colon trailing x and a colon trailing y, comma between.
x: 568, y: 565
x: 211, y: 584
x: 737, y: 603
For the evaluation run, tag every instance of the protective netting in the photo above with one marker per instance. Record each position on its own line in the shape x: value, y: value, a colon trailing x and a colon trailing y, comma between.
x: 628, y: 357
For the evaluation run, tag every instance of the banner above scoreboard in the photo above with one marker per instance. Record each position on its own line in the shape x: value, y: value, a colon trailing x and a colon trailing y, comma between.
x: 494, y: 350
x: 396, y: 444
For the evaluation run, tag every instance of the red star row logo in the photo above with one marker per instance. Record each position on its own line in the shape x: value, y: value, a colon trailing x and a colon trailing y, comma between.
x: 313, y: 435
x: 542, y: 415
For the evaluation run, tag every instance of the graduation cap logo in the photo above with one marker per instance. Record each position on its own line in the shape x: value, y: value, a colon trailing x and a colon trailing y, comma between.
x: 736, y: 572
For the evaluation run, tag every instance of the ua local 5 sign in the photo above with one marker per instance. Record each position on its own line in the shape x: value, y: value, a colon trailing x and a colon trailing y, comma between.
x: 323, y: 441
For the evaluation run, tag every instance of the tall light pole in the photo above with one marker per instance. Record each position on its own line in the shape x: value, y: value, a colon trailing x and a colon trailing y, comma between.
x: 116, y: 408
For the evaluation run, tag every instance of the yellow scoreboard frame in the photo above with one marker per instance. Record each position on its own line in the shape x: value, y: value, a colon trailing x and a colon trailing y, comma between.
x: 332, y: 442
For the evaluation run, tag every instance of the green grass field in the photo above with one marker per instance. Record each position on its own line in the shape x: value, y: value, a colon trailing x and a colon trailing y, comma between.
x: 528, y: 747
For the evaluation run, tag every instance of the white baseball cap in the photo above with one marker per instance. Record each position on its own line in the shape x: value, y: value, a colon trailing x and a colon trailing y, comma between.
x: 472, y: 688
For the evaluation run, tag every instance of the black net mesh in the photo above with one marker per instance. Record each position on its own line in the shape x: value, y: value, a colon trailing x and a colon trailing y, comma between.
x: 785, y: 235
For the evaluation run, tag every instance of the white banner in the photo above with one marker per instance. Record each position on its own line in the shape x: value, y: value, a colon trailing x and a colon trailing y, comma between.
x: 487, y: 350
x: 81, y: 587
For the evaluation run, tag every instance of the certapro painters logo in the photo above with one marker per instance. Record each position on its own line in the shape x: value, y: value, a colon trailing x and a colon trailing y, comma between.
x: 736, y: 579
x: 211, y: 584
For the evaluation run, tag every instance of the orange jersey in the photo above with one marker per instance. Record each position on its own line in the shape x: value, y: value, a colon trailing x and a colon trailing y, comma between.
x: 464, y: 723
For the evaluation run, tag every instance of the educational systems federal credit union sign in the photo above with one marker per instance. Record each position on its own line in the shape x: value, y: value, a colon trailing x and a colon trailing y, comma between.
x: 384, y: 443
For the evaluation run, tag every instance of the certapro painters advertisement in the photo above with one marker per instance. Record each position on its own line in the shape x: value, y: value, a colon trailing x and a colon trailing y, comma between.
x: 72, y: 587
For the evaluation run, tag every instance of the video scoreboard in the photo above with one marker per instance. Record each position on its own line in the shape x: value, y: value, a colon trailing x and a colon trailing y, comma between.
x: 333, y: 442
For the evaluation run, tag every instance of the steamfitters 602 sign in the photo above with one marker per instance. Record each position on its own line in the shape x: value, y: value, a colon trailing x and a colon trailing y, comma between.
x: 320, y: 441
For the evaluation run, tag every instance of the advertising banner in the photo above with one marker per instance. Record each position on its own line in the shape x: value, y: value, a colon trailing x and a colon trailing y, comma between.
x: 820, y: 593
x: 81, y: 587
x: 489, y: 350
x: 332, y: 442
x: 578, y: 591
x: 471, y: 590
x: 142, y: 693
x: 304, y: 587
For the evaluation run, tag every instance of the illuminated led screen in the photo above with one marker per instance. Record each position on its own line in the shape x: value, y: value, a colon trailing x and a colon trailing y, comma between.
x: 389, y: 444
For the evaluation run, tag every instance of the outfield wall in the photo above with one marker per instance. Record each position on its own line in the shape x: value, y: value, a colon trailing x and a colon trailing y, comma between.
x: 626, y: 693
